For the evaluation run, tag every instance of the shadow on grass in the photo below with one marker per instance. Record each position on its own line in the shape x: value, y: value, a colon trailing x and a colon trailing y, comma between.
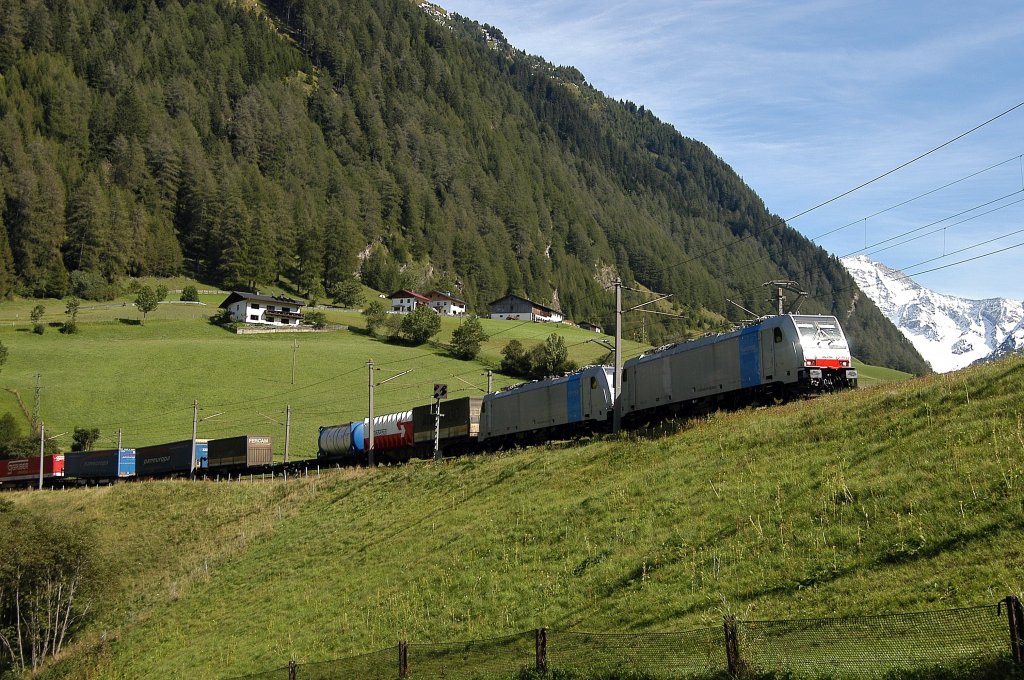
x: 130, y: 322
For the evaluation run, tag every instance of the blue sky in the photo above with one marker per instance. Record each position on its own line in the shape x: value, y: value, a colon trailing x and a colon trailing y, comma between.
x: 807, y: 100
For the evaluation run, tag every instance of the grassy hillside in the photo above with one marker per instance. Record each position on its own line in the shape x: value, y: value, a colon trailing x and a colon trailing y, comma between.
x: 142, y: 379
x: 903, y: 496
x: 310, y: 139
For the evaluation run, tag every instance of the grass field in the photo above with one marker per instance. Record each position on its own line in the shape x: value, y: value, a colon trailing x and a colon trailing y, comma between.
x: 142, y: 379
x: 901, y: 497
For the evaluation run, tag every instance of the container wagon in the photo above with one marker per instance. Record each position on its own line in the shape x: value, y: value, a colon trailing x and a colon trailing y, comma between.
x: 245, y: 451
x: 164, y: 459
x: 15, y: 472
x: 459, y: 425
x: 100, y: 465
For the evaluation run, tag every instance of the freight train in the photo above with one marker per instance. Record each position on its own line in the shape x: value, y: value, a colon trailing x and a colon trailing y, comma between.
x: 774, y: 359
x: 213, y: 457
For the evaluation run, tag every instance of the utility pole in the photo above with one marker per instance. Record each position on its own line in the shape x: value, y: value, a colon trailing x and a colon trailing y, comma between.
x: 195, y: 421
x: 42, y: 440
x: 35, y: 402
x: 369, y: 446
x: 295, y: 348
x: 490, y: 381
x: 616, y: 405
x: 287, y: 429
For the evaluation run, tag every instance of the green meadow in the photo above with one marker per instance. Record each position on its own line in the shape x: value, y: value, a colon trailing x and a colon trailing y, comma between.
x: 118, y: 373
x: 904, y: 496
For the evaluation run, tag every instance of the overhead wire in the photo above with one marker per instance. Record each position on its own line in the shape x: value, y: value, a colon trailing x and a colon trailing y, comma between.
x: 774, y: 224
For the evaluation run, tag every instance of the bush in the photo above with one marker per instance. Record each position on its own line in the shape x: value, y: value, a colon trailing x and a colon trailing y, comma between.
x: 514, y: 359
x: 222, y: 317
x: 91, y: 286
x: 376, y: 313
x: 314, y: 318
x: 84, y: 438
x: 550, y: 358
x: 467, y: 338
x: 45, y: 578
x: 189, y: 294
x: 348, y: 293
x: 420, y: 325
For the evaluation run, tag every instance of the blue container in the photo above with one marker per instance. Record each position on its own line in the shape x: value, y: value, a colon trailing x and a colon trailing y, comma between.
x: 202, y: 454
x: 126, y: 463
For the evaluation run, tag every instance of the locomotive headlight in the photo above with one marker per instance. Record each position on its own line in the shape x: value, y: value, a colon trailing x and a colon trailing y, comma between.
x: 815, y: 373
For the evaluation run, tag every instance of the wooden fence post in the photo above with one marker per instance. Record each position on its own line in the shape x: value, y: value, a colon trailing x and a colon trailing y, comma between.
x: 1015, y: 616
x: 732, y: 647
x: 403, y: 659
x: 541, y: 649
x: 292, y: 669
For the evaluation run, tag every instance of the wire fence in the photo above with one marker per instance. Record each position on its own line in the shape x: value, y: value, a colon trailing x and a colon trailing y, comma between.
x: 975, y: 642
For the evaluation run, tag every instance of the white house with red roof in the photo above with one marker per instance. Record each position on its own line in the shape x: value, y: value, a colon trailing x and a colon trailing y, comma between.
x: 447, y: 304
x: 405, y: 301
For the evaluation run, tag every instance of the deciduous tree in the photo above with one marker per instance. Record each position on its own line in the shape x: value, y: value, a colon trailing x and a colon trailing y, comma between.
x: 46, y: 573
x: 467, y: 338
x: 146, y: 301
x: 420, y: 325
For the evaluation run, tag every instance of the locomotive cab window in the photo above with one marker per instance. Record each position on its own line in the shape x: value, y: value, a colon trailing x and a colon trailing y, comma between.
x: 778, y: 335
x: 593, y: 383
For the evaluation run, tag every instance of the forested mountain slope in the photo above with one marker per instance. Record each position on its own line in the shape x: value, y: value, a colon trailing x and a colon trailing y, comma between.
x: 314, y: 140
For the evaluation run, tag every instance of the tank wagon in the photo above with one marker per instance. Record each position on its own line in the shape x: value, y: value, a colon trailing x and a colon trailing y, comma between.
x: 399, y: 436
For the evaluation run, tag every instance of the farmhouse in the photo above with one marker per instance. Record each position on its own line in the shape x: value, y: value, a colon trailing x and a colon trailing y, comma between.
x: 518, y: 308
x: 404, y: 301
x: 445, y: 303
x: 273, y: 310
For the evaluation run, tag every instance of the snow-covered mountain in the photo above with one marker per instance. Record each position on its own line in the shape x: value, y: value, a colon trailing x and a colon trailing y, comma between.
x: 949, y: 332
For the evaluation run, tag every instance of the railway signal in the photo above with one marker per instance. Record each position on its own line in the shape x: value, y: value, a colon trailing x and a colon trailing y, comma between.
x: 440, y: 392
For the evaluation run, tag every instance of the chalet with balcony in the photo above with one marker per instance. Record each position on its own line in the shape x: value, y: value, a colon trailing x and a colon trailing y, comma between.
x: 447, y: 304
x: 405, y: 301
x: 272, y: 310
x: 515, y: 308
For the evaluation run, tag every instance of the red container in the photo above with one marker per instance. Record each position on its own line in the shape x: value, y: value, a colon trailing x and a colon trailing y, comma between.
x: 27, y: 469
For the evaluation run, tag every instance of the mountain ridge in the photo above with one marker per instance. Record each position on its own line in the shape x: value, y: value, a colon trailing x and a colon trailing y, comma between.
x: 949, y: 331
